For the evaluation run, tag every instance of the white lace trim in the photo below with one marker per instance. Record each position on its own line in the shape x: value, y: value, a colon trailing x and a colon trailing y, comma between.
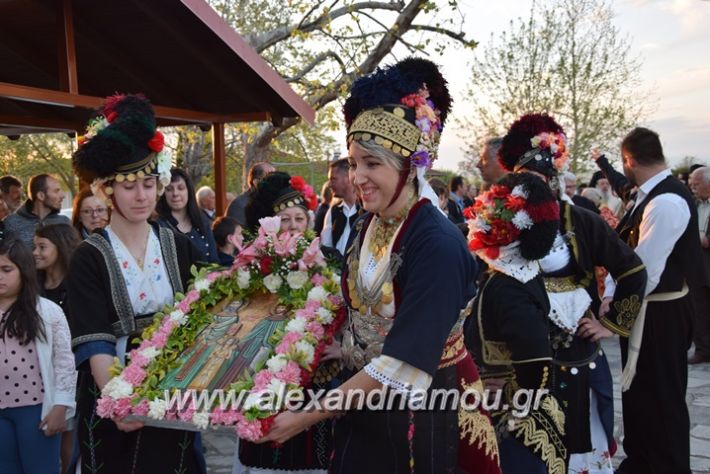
x: 568, y: 307
x: 511, y: 263
x: 397, y: 375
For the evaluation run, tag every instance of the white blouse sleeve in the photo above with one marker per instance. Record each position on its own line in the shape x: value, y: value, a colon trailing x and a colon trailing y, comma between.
x: 397, y: 375
x: 62, y: 360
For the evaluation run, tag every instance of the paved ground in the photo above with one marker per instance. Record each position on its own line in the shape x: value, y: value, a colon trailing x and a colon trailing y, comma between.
x: 220, y: 445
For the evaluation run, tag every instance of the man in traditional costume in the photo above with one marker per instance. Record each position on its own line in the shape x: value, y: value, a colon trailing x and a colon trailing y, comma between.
x: 581, y: 380
x: 662, y: 228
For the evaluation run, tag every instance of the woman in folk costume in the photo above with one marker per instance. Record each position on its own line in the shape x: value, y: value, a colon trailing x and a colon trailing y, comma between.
x: 510, y: 227
x: 581, y: 378
x: 289, y: 198
x: 408, y: 281
x: 119, y: 278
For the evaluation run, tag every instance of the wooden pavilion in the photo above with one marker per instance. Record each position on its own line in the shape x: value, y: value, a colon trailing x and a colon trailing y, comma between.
x: 60, y: 58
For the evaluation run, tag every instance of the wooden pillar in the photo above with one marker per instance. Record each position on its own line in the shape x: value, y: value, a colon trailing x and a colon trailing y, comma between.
x: 66, y: 54
x: 220, y: 179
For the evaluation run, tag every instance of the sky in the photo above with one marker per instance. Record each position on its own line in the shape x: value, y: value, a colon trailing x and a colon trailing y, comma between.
x: 672, y: 39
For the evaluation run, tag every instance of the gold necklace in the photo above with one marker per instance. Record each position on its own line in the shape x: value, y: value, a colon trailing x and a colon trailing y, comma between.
x: 385, y: 228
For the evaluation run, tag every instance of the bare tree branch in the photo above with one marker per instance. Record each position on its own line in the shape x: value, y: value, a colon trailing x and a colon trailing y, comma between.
x: 270, y: 38
x: 460, y: 36
x: 316, y: 61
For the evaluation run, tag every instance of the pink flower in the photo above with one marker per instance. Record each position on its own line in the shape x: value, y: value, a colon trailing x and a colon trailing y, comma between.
x: 285, y: 344
x: 159, y: 340
x: 285, y: 244
x: 133, y: 374
x: 305, y: 313
x: 192, y: 296
x: 249, y: 430
x: 186, y: 415
x: 311, y: 256
x: 335, y: 300
x: 315, y: 329
x: 248, y: 255
x: 183, y: 306
x: 213, y: 276
x: 224, y: 417
x: 142, y: 408
x: 137, y: 358
x: 262, y: 380
x: 270, y: 225
x: 291, y: 374
x: 122, y: 407
x: 318, y: 279
x: 312, y: 305
x: 105, y: 407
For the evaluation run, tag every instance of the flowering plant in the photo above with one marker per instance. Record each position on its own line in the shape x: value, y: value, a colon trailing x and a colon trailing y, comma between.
x: 496, y: 219
x: 428, y: 120
x: 291, y: 266
x: 556, y: 143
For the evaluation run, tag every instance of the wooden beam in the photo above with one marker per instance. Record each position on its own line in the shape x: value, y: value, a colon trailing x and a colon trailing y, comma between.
x: 66, y: 99
x: 68, y: 77
x: 220, y: 180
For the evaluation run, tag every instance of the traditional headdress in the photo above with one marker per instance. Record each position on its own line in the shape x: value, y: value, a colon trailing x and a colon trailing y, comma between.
x: 535, y: 142
x: 513, y: 224
x: 122, y: 143
x: 278, y: 191
x: 402, y: 108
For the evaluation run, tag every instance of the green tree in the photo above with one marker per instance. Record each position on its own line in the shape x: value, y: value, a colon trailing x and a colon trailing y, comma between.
x: 30, y: 155
x: 568, y: 59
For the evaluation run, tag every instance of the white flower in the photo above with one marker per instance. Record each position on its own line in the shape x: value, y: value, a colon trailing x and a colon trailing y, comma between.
x: 117, y: 388
x: 150, y: 353
x: 202, y: 284
x: 317, y: 293
x: 165, y: 162
x: 276, y: 363
x: 519, y: 191
x: 157, y: 408
x: 201, y: 420
x: 307, y: 350
x: 480, y: 225
x: 297, y: 324
x: 271, y: 225
x: 273, y: 282
x: 522, y: 220
x: 243, y: 278
x: 296, y: 280
x: 324, y: 316
x: 253, y: 399
x: 178, y: 316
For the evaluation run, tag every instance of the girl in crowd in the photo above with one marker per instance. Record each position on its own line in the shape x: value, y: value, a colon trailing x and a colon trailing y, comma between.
x: 178, y: 210
x: 38, y: 375
x: 511, y: 325
x: 88, y: 213
x: 228, y: 235
x: 279, y: 194
x: 118, y: 279
x: 408, y: 281
x: 53, y: 247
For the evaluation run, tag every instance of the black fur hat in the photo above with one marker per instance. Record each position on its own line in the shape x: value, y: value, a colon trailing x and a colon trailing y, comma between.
x: 277, y: 191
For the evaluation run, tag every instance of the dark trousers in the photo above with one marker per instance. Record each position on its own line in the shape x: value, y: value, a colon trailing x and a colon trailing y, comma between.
x: 701, y: 320
x: 656, y: 420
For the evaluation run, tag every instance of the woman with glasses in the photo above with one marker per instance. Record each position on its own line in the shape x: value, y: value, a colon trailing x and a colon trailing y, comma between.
x: 88, y: 213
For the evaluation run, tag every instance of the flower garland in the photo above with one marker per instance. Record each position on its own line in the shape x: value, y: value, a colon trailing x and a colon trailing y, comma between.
x: 291, y: 266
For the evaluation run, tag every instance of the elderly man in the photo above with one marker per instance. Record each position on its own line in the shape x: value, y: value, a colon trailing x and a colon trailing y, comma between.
x: 206, y: 201
x: 699, y: 182
x: 570, y: 181
x: 11, y: 189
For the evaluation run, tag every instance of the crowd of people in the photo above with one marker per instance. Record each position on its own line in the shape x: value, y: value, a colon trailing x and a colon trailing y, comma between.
x: 508, y: 288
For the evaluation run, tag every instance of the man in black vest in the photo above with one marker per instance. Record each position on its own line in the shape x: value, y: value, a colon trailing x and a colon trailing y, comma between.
x: 340, y: 218
x: 662, y: 228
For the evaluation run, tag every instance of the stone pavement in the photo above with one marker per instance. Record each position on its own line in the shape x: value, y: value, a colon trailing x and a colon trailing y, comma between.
x: 220, y: 445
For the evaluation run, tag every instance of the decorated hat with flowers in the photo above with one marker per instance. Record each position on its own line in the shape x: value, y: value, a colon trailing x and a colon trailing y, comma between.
x: 518, y: 213
x: 276, y: 192
x: 122, y: 143
x: 535, y: 142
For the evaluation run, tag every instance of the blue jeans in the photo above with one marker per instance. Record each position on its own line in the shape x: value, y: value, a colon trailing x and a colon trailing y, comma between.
x: 24, y: 448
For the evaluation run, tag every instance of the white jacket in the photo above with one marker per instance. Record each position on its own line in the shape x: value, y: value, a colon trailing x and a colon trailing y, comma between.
x: 56, y: 360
